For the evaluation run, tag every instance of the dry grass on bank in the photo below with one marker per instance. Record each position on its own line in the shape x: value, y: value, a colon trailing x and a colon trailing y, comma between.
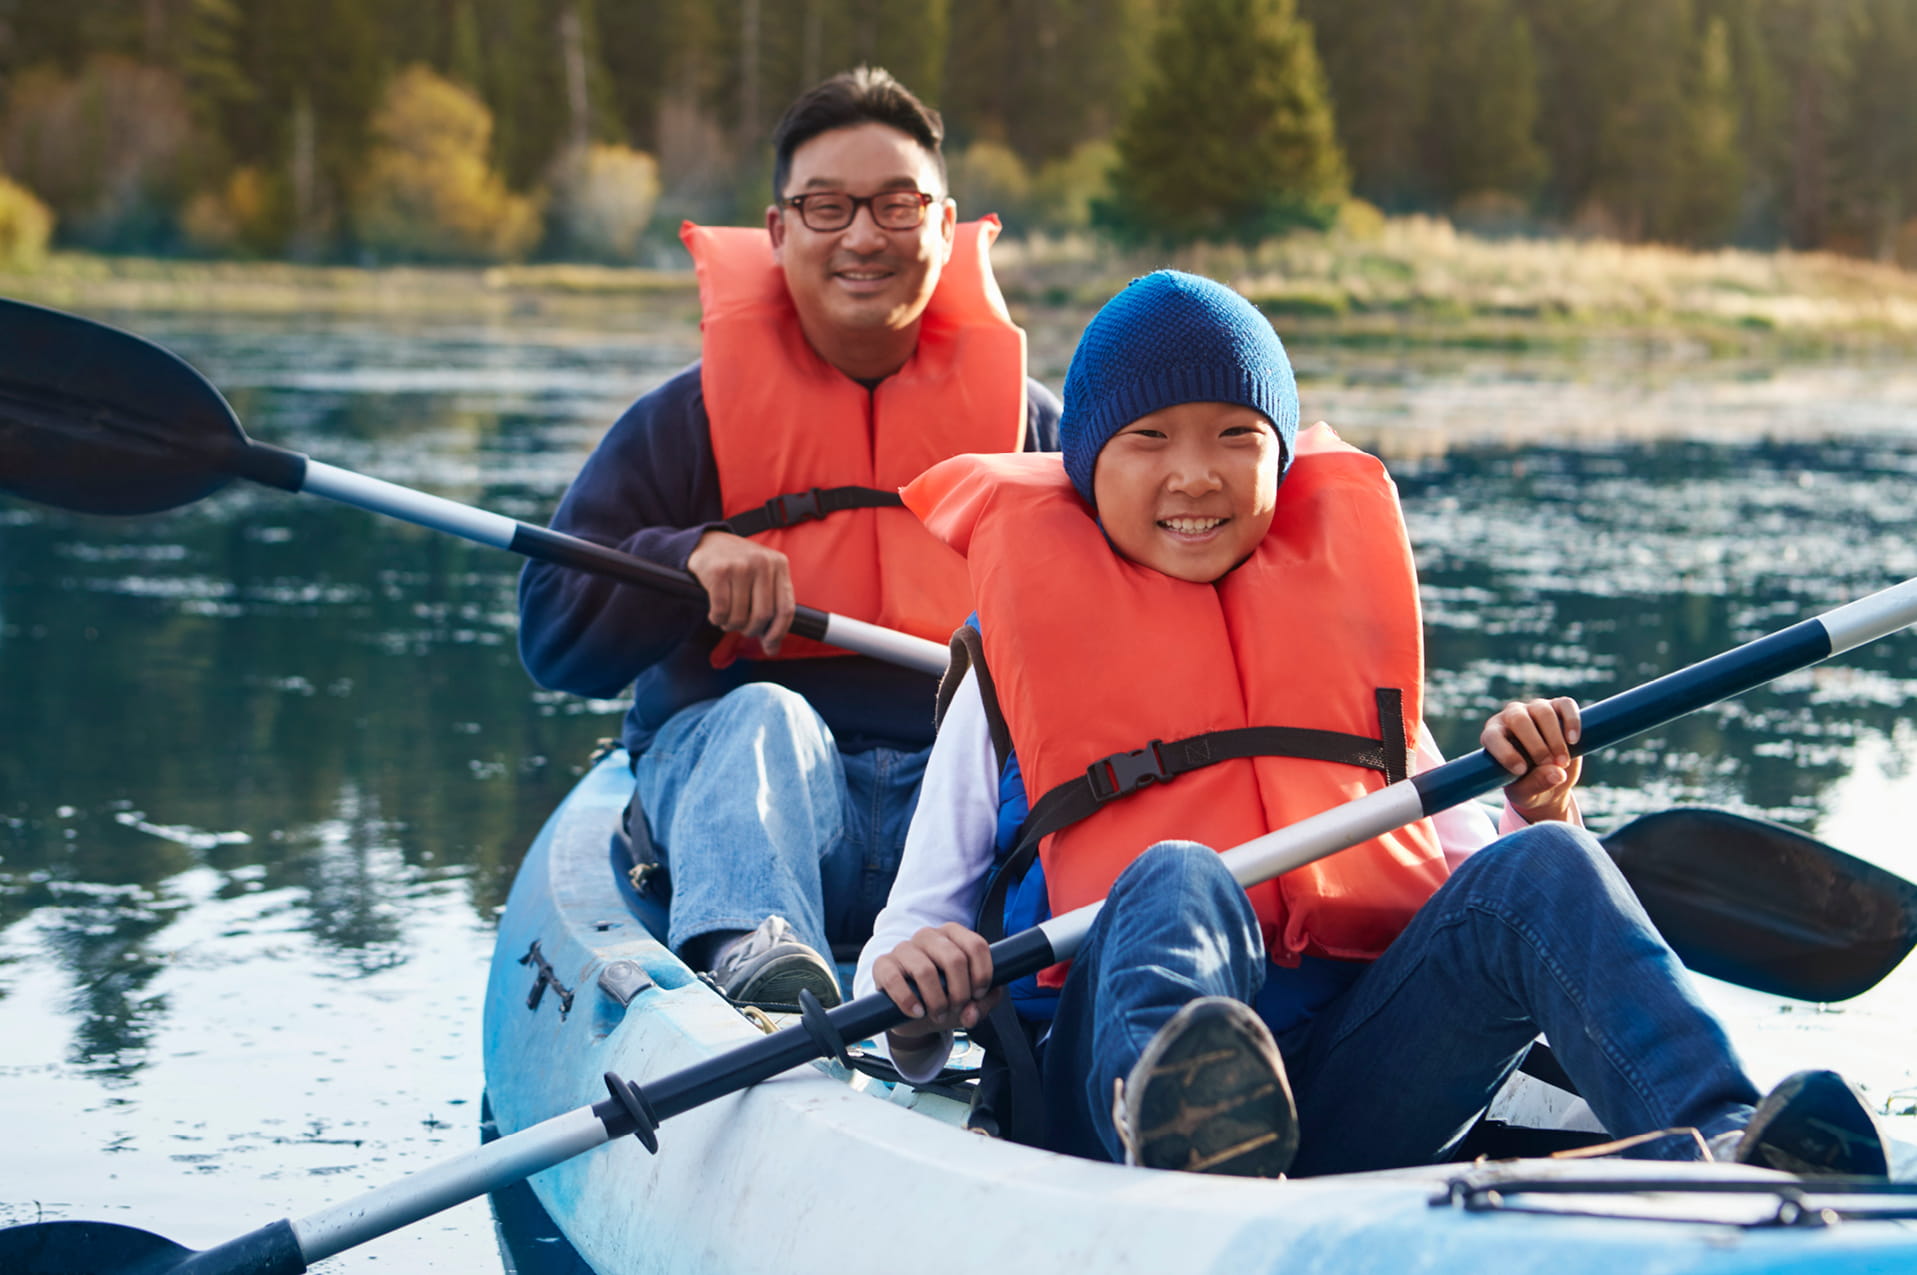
x: 1410, y: 279
x: 1420, y: 272
x: 84, y: 281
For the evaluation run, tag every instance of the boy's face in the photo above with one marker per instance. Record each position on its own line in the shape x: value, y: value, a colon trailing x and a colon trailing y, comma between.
x: 1189, y: 490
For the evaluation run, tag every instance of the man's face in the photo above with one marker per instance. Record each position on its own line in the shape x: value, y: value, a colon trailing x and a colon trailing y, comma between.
x: 1189, y: 490
x: 862, y: 279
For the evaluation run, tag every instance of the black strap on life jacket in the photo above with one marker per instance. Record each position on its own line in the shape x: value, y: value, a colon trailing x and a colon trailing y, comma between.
x: 968, y: 654
x: 804, y: 506
x: 1158, y: 762
x: 1009, y: 1100
x: 1122, y: 774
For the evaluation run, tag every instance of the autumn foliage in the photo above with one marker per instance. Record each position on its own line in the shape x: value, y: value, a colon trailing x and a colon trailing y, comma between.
x: 25, y: 224
x: 107, y: 148
x: 428, y: 192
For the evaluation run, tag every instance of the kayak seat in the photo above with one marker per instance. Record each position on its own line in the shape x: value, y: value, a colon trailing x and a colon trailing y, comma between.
x: 1498, y: 1140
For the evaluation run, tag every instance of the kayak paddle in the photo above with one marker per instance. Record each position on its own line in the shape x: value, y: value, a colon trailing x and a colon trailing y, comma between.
x: 286, y: 1247
x: 100, y: 421
x: 1763, y: 906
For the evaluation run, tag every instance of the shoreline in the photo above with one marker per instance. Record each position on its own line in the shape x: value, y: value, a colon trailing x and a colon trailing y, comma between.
x: 1417, y: 282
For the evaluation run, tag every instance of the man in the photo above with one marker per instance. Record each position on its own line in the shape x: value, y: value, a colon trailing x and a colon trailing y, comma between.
x: 857, y: 342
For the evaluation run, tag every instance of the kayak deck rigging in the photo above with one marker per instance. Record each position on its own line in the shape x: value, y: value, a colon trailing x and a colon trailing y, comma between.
x: 1753, y: 1202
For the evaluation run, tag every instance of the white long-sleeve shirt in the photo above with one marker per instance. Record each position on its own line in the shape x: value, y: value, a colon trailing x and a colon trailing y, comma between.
x: 950, y: 845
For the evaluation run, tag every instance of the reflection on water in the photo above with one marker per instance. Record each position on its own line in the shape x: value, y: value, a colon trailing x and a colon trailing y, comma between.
x: 1590, y: 571
x: 269, y: 763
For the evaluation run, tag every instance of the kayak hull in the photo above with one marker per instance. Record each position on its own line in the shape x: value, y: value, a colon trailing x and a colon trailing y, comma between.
x: 821, y: 1170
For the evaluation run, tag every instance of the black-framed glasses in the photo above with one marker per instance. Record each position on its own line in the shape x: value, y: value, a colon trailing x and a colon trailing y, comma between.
x: 826, y: 210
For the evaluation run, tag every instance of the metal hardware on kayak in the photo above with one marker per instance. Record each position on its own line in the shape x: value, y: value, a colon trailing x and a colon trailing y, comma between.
x: 544, y: 978
x: 1770, y: 1200
x: 97, y: 420
x: 623, y: 980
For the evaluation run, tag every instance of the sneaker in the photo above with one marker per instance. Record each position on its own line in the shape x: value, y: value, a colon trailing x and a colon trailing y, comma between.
x: 769, y: 967
x: 1814, y: 1124
x: 1209, y: 1095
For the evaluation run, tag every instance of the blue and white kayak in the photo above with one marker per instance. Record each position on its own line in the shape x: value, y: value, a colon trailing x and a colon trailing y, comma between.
x: 823, y: 1169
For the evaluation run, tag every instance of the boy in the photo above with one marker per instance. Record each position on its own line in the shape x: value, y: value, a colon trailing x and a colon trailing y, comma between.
x: 1163, y: 585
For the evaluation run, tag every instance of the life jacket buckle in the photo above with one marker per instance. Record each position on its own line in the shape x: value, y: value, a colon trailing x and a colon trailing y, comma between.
x: 1121, y: 773
x: 798, y: 506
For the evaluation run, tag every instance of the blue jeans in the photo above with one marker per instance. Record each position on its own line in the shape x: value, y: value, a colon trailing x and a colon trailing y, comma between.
x: 1535, y: 933
x: 755, y: 811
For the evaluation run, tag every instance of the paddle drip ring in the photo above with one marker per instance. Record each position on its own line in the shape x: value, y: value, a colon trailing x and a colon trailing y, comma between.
x: 632, y: 1101
x: 818, y: 1025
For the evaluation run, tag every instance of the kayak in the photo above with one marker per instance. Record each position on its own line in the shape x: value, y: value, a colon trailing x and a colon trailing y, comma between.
x: 826, y: 1168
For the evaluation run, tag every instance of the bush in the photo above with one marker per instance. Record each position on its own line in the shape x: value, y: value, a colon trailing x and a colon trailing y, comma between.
x: 989, y: 177
x: 25, y: 226
x: 602, y: 199
x: 428, y: 193
x: 248, y: 214
x: 1905, y: 249
x: 1493, y: 214
x: 107, y: 149
x: 1065, y: 190
x: 1361, y: 220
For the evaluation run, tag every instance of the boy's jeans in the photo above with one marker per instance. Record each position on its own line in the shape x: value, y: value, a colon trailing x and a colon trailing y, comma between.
x: 1536, y: 932
x: 755, y: 811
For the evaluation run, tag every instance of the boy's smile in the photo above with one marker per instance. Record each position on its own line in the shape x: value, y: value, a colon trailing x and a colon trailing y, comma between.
x: 1189, y: 490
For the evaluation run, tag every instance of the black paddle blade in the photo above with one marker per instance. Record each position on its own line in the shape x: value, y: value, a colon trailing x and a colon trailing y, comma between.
x: 100, y: 421
x: 106, y: 1248
x: 44, y: 1248
x: 1766, y: 907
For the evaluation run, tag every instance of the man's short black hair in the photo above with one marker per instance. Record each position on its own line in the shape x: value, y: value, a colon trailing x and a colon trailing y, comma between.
x: 864, y: 95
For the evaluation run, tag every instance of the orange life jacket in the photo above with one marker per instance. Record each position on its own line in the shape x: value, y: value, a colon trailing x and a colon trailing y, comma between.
x: 785, y: 422
x: 1093, y: 656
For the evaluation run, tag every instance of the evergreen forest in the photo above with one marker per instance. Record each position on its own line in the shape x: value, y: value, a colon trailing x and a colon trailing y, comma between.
x: 501, y: 130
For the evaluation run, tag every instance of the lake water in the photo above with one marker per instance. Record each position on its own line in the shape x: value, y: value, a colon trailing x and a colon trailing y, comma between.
x: 268, y: 764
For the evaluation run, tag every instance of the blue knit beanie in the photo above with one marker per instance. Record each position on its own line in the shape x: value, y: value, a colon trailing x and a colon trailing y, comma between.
x: 1171, y: 338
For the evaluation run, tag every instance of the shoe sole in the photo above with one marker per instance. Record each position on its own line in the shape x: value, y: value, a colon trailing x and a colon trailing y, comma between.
x: 1784, y: 1134
x: 1214, y: 1097
x: 778, y: 981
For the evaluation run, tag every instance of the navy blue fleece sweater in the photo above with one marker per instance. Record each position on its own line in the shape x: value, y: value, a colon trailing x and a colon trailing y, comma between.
x: 651, y: 488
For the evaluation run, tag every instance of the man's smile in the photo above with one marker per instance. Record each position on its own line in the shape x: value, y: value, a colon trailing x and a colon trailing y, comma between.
x: 865, y: 276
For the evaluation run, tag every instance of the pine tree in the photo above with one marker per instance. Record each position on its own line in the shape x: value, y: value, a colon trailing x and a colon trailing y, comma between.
x: 1713, y: 183
x: 314, y: 72
x: 1481, y: 102
x: 1763, y: 114
x: 1378, y: 63
x: 1044, y: 76
x: 1877, y: 147
x: 1614, y: 120
x: 1231, y: 136
x: 465, y: 62
x: 209, y: 62
x: 1581, y: 64
x: 1806, y: 40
